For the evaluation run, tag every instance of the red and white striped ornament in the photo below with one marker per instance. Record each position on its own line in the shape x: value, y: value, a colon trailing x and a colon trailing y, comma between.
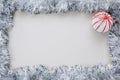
x: 102, y: 21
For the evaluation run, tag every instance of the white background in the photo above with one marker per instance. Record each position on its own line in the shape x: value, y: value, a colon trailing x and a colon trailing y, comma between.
x: 56, y: 39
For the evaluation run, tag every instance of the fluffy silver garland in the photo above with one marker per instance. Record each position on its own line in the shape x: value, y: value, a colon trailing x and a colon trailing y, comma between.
x: 41, y: 72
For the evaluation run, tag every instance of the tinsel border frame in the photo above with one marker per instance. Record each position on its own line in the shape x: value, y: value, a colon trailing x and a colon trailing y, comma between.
x: 41, y: 72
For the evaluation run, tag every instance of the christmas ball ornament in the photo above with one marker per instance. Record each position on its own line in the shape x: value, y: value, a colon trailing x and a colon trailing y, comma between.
x: 102, y: 21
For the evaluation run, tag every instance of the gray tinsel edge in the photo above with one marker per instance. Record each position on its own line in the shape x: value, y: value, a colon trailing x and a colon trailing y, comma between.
x: 40, y: 72
x: 4, y: 55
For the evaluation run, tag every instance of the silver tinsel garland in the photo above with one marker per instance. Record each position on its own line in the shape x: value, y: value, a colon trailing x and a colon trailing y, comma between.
x: 41, y: 72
